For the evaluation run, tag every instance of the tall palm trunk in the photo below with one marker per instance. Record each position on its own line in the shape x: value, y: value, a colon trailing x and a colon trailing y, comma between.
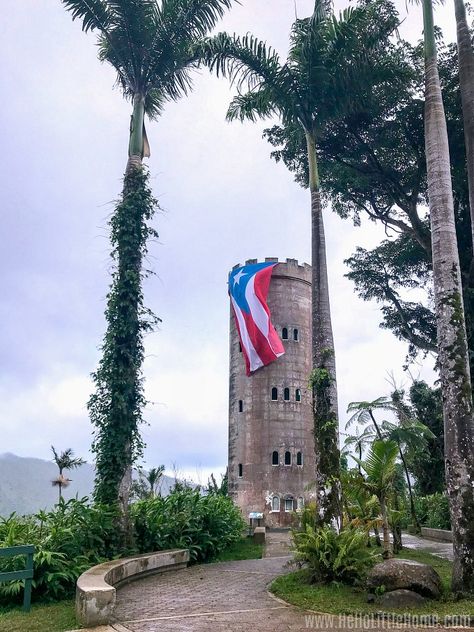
x: 396, y: 528
x: 414, y: 516
x: 324, y: 364
x: 136, y: 151
x: 60, y: 485
x: 466, y: 83
x: 387, y: 546
x: 376, y: 426
x: 452, y: 340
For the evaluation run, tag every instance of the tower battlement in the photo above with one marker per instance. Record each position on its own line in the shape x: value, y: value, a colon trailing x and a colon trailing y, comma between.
x: 287, y: 262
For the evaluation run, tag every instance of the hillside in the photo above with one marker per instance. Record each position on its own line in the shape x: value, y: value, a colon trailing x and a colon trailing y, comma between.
x: 25, y: 484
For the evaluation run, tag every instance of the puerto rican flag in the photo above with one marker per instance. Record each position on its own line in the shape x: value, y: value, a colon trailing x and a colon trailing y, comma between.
x: 248, y: 289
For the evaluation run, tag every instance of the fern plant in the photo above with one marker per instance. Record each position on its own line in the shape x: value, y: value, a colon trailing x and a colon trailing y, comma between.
x: 332, y: 556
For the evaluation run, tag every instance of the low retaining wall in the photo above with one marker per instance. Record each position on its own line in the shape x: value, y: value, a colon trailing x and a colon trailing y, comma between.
x: 96, y: 588
x: 437, y: 534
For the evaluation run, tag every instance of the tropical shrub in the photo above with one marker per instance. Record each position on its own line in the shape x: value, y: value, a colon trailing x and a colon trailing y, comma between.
x: 75, y: 535
x: 205, y: 525
x: 332, y: 556
x: 68, y: 540
x: 308, y: 516
x: 433, y: 511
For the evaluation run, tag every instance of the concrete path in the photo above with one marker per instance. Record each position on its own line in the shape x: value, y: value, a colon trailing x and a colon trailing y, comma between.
x: 225, y: 597
x: 441, y: 549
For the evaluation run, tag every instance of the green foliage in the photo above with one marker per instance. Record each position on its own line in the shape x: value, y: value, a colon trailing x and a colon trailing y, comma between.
x: 325, y: 425
x: 433, y: 511
x: 372, y: 165
x: 328, y: 53
x: 149, y: 43
x: 333, y: 557
x: 380, y: 467
x: 382, y: 274
x: 66, y: 460
x: 337, y: 599
x: 76, y: 535
x: 185, y: 518
x: 308, y: 516
x: 68, y: 540
x: 222, y: 488
x: 116, y: 406
x: 148, y: 483
x: 428, y: 467
x: 362, y: 509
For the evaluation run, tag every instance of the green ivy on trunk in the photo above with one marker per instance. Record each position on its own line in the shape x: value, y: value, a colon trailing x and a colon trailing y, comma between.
x: 116, y: 406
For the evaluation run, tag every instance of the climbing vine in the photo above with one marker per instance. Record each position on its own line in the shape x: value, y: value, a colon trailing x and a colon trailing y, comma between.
x: 326, y: 445
x: 115, y: 408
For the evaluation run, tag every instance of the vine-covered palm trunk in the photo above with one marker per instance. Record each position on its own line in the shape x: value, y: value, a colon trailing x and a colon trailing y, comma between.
x: 116, y: 406
x: 452, y: 340
x: 323, y: 377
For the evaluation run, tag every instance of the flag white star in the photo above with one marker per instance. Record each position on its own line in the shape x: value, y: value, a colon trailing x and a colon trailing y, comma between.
x: 238, y: 276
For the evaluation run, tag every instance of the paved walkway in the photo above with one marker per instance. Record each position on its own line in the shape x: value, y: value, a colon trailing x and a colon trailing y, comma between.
x: 229, y: 596
x: 222, y: 597
x: 441, y: 549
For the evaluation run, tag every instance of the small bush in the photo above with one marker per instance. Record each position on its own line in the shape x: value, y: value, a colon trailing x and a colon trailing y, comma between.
x: 205, y: 525
x: 433, y: 511
x: 333, y: 557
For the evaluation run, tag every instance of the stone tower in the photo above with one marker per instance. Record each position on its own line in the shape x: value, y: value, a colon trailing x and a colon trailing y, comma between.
x: 271, y: 444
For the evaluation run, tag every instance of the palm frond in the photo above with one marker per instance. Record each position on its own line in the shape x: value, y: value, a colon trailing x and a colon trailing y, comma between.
x: 154, y: 103
x: 94, y: 14
x: 178, y: 25
x: 380, y: 464
x: 243, y: 60
x: 322, y: 9
x: 150, y: 43
x: 248, y: 61
x: 252, y: 105
x: 193, y: 19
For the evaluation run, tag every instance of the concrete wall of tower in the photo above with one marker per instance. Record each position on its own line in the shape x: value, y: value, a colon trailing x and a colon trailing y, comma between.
x: 261, y: 427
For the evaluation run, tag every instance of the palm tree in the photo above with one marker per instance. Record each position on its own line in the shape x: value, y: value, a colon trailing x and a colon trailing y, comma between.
x: 411, y: 435
x: 153, y: 479
x: 65, y: 461
x: 360, y: 440
x: 363, y: 413
x: 380, y: 467
x: 450, y: 321
x: 361, y: 506
x: 317, y: 82
x: 150, y: 44
x: 466, y: 84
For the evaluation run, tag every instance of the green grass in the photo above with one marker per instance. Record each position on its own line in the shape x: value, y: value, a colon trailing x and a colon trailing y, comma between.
x: 337, y: 599
x: 243, y: 549
x: 51, y: 617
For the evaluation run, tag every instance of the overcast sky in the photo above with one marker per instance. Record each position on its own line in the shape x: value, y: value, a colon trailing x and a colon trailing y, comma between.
x: 64, y: 131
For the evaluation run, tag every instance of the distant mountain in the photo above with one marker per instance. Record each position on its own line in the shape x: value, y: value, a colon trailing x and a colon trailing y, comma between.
x: 25, y: 484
